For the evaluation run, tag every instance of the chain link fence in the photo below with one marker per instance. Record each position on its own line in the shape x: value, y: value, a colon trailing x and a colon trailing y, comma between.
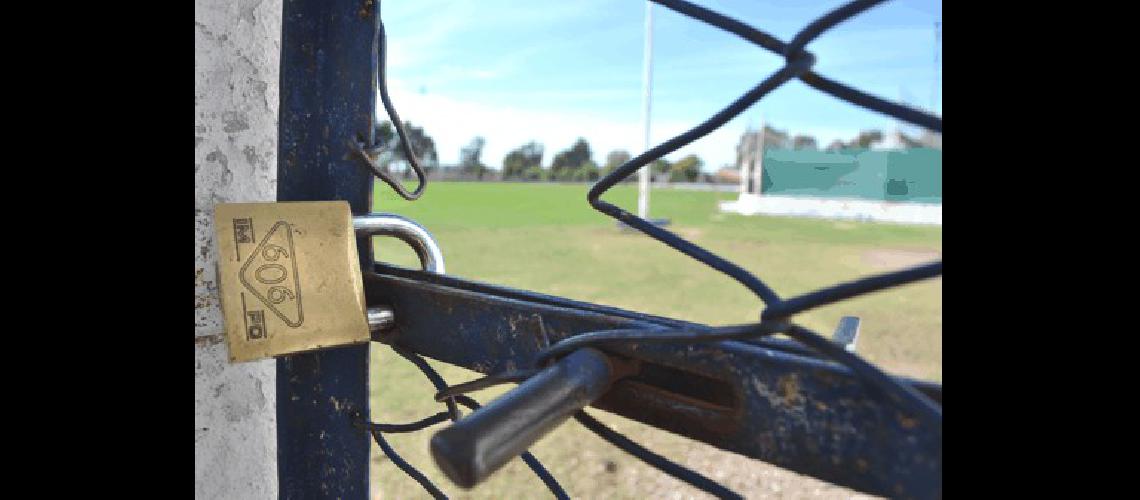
x: 777, y: 315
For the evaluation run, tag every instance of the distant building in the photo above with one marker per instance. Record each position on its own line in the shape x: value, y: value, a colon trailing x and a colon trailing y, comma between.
x: 899, y: 140
x: 727, y: 175
x: 931, y: 139
x: 876, y: 176
x: 750, y: 155
x: 893, y: 140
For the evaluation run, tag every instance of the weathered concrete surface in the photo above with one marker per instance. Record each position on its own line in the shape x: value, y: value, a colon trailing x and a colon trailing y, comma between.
x: 236, y: 55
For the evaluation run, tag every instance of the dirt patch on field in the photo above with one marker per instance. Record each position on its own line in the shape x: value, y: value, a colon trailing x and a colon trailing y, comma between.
x: 894, y: 258
x: 751, y: 478
x: 690, y: 233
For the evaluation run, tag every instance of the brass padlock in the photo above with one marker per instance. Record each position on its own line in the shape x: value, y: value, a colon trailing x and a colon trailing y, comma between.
x: 289, y: 275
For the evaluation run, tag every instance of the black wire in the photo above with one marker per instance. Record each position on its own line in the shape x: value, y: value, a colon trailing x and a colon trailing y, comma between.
x: 661, y: 463
x: 380, y: 82
x: 851, y: 289
x: 409, y: 427
x: 680, y: 244
x: 437, y: 380
x: 868, y: 101
x: 545, y: 475
x: 900, y: 394
x: 432, y: 375
x: 485, y: 382
x: 725, y: 23
x: 826, y: 22
x: 659, y: 336
x: 468, y: 402
x: 795, y: 49
x: 405, y: 466
x: 798, y: 65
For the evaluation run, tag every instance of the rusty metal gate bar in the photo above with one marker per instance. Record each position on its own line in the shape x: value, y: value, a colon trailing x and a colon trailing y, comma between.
x: 327, y: 102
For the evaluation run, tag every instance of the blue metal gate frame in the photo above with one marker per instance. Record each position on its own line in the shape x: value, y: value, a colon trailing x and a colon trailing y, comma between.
x: 327, y: 101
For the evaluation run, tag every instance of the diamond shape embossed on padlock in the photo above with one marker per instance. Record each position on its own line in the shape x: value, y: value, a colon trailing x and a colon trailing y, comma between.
x: 289, y: 278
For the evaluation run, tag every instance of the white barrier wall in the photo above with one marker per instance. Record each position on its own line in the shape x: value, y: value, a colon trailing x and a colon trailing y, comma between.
x: 867, y: 210
x: 236, y: 55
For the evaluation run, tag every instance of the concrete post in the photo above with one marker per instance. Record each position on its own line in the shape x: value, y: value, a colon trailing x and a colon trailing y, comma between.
x: 236, y: 57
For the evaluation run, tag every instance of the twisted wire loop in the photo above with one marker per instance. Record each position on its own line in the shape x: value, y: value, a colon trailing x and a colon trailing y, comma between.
x: 774, y: 318
x: 367, y: 148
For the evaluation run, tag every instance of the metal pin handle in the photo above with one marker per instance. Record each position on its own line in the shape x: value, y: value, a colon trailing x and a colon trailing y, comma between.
x: 476, y: 446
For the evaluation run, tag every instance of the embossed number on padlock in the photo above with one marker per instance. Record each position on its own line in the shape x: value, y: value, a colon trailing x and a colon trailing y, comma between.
x: 289, y: 278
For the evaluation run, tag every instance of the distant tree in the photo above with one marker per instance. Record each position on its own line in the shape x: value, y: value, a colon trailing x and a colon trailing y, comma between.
x: 687, y: 169
x: 836, y: 145
x: 867, y: 138
x: 804, y: 142
x: 422, y: 146
x: 469, y: 162
x: 614, y: 160
x: 521, y: 160
x: 658, y: 169
x: 535, y: 173
x: 587, y: 172
x: 564, y: 164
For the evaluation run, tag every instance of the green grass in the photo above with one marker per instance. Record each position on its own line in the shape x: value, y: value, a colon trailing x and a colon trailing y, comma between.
x: 545, y: 237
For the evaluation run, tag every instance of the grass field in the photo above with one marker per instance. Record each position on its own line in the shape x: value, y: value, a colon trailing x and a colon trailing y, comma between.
x: 546, y: 238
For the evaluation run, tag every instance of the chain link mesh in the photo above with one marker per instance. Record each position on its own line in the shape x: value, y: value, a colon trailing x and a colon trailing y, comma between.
x: 775, y: 318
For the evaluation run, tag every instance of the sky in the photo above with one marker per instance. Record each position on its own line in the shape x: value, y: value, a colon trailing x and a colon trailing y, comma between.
x: 516, y: 71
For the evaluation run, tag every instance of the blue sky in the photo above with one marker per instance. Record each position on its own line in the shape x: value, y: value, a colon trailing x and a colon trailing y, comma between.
x: 515, y: 71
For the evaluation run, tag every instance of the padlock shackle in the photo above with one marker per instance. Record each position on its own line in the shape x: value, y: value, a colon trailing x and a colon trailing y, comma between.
x: 407, y: 230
